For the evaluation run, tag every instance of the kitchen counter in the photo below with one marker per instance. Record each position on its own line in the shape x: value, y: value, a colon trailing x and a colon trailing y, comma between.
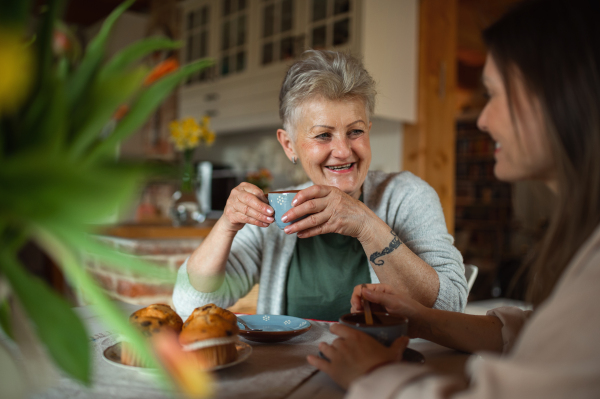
x: 157, y: 229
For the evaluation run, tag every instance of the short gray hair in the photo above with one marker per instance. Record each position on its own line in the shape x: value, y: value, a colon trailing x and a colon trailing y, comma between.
x: 330, y: 74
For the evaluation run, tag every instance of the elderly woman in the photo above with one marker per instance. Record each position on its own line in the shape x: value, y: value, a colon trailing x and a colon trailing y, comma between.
x: 362, y: 227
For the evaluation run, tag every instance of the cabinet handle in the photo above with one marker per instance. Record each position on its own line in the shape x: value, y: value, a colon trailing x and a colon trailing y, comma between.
x: 211, y: 97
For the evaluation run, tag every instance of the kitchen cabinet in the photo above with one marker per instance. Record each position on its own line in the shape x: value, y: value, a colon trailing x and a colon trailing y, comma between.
x: 253, y: 42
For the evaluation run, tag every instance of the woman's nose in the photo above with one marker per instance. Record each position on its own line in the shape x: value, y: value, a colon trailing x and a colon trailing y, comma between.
x: 342, y: 148
x: 482, y: 120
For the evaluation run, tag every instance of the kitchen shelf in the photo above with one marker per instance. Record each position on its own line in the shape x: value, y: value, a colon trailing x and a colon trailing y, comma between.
x: 483, y: 206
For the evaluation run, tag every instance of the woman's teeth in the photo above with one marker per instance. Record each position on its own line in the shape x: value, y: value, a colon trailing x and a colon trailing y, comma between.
x: 341, y: 167
x: 498, y: 145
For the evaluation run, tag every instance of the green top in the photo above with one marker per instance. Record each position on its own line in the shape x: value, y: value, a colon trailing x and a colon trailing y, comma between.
x: 323, y: 272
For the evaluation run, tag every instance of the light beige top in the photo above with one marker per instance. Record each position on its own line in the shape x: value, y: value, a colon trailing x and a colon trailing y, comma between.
x: 555, y: 353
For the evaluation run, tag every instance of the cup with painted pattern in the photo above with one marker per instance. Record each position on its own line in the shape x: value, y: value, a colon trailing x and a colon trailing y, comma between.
x: 281, y: 202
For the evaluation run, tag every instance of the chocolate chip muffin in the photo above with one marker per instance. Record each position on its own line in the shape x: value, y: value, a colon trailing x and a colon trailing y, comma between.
x: 164, y: 315
x: 150, y: 321
x: 211, y: 308
x: 210, y: 338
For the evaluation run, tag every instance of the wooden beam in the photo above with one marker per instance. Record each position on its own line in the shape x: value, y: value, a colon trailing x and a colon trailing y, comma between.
x: 429, y: 145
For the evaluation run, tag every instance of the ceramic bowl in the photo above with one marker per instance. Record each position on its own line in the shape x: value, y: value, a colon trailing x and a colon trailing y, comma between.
x: 387, y: 328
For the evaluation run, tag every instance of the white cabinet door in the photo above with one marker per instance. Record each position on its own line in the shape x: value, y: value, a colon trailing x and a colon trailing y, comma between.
x: 253, y: 42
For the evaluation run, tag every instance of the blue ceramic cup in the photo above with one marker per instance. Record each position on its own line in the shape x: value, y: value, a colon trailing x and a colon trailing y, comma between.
x: 281, y: 201
x: 385, y: 329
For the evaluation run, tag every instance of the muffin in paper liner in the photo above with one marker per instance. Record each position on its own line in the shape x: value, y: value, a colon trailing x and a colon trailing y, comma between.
x: 213, y: 352
x: 129, y: 356
x: 210, y: 339
x: 151, y: 321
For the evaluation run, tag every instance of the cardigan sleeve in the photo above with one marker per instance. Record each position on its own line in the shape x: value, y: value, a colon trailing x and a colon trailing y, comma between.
x: 241, y: 273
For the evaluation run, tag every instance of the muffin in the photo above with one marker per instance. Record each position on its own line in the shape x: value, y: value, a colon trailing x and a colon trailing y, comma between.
x: 211, y: 308
x: 210, y: 339
x: 150, y: 321
x: 164, y: 314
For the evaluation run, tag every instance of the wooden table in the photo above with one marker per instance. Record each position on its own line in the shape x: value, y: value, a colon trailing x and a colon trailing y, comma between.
x: 272, y: 371
x: 439, y: 358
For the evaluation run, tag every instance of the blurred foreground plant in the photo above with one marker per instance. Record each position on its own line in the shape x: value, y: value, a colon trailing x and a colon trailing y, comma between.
x: 59, y: 176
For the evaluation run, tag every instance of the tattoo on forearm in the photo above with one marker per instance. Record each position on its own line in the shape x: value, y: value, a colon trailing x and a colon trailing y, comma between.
x: 395, y: 243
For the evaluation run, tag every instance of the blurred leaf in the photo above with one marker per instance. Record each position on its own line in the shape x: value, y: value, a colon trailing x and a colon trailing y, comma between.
x: 5, y: 318
x: 44, y: 43
x: 106, y: 96
x: 109, y: 257
x: 145, y: 104
x: 57, y: 326
x: 83, y: 76
x: 53, y: 127
x: 135, y: 52
x: 114, y: 317
x: 42, y: 189
x: 13, y: 13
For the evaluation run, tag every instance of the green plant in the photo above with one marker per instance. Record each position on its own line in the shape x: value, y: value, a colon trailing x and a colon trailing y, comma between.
x: 59, y: 175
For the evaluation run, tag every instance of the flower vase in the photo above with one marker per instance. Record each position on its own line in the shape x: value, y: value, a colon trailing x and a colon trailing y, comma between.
x: 185, y: 208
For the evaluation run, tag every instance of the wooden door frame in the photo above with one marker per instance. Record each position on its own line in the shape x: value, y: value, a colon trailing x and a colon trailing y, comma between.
x: 429, y: 144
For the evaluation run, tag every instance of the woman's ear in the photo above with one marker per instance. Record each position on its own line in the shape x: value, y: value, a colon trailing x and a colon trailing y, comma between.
x: 286, y: 142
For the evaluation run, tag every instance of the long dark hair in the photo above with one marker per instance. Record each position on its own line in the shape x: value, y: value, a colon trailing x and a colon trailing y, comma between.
x: 554, y: 47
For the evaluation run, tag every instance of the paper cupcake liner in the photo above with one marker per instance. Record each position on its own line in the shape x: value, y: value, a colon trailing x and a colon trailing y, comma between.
x: 207, y: 343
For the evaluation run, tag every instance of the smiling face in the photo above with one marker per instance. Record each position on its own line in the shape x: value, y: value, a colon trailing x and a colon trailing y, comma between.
x: 331, y: 141
x: 522, y: 148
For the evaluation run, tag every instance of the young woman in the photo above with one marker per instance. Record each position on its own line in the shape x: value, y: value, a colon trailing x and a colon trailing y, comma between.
x: 543, y: 79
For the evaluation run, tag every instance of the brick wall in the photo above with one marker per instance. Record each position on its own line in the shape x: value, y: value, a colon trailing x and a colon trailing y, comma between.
x: 133, y: 288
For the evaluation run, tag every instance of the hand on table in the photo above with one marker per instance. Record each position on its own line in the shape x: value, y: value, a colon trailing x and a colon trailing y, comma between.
x: 329, y: 210
x: 395, y: 302
x: 354, y: 354
x: 247, y: 204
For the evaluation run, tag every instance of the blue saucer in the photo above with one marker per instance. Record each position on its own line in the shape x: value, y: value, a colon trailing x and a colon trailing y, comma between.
x: 275, y: 328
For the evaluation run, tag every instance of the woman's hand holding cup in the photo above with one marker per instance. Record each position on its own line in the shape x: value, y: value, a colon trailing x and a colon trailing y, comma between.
x: 247, y: 204
x: 326, y: 209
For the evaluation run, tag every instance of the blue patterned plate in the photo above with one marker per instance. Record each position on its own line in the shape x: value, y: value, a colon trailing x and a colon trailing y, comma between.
x: 275, y: 328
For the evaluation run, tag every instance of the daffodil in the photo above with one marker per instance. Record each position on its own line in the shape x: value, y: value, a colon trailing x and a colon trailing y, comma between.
x: 188, y: 134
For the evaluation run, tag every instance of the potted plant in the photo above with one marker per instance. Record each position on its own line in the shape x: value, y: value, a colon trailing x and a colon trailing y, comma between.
x: 187, y: 135
x: 59, y: 175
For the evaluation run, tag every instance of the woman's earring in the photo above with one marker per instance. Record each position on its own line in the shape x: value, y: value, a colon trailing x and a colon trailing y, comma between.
x: 294, y: 160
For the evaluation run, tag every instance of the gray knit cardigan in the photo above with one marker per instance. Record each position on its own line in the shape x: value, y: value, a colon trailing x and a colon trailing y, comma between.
x: 262, y: 255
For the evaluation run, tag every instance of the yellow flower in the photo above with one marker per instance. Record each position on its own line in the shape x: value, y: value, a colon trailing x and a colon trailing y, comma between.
x: 188, y: 134
x: 206, y: 121
x: 210, y: 138
x: 16, y: 70
x: 190, y: 126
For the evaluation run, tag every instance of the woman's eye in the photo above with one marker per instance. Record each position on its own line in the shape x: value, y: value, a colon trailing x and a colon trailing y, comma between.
x: 323, y: 136
x: 356, y: 132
